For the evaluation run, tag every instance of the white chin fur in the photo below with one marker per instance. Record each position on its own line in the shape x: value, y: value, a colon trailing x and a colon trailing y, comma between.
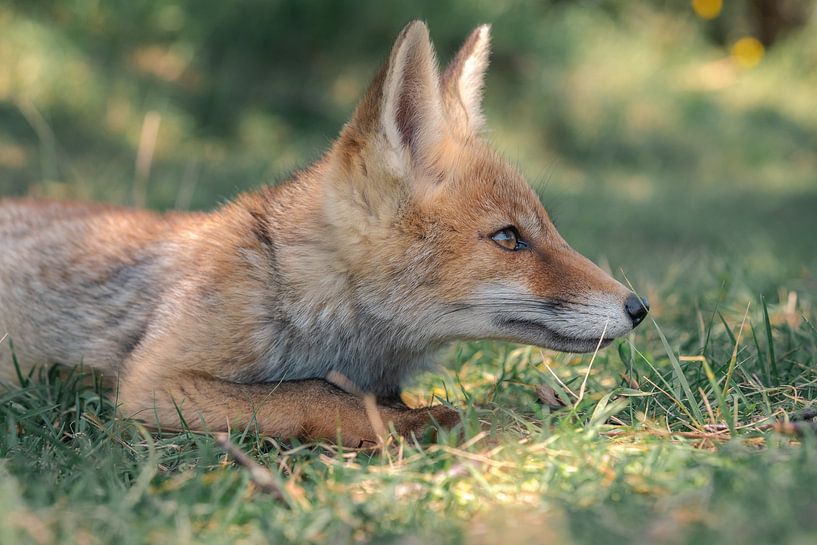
x: 597, y: 316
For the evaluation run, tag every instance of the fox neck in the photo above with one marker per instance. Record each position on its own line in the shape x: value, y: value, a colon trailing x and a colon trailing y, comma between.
x: 333, y: 302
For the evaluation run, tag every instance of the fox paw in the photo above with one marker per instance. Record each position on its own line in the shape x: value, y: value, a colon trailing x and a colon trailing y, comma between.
x: 424, y: 422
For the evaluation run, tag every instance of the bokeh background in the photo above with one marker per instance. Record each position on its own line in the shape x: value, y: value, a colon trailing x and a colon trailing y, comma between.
x: 669, y: 139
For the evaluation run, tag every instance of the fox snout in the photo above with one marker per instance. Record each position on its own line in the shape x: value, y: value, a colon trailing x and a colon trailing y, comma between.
x: 581, y: 323
x: 589, y: 308
x: 551, y: 296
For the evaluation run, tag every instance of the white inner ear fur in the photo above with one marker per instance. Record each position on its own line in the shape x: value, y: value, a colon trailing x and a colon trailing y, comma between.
x: 412, y: 82
x: 472, y: 78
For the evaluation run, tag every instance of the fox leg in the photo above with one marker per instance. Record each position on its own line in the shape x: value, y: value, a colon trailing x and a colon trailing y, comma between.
x: 309, y: 409
x: 393, y: 399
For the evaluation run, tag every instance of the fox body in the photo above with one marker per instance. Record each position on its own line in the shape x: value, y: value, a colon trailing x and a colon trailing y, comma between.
x: 408, y: 233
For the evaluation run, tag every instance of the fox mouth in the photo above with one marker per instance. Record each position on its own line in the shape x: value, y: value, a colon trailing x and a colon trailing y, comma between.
x: 539, y: 334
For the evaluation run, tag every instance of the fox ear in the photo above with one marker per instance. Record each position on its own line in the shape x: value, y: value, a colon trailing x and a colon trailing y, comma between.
x: 403, y: 108
x: 463, y: 80
x: 411, y: 114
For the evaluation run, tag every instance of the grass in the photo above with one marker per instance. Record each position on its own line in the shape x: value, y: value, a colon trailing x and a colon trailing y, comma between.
x: 661, y: 160
x: 668, y: 444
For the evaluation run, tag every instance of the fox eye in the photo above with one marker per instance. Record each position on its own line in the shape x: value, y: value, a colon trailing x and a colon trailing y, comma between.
x: 508, y: 238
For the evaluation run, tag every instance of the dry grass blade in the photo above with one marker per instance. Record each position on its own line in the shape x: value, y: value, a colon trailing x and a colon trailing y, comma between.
x: 630, y: 381
x: 547, y: 395
x: 369, y: 404
x: 379, y: 427
x: 261, y: 477
x: 144, y: 156
x: 590, y: 365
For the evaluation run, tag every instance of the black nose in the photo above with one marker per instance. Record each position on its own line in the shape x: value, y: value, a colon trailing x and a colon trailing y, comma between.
x: 636, y: 308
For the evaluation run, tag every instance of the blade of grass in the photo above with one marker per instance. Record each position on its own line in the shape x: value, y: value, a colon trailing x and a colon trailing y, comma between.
x: 590, y: 365
x: 679, y: 375
x: 715, y: 312
x: 669, y: 390
x: 728, y: 329
x: 768, y: 324
x: 723, y: 407
x: 763, y: 361
x: 733, y: 360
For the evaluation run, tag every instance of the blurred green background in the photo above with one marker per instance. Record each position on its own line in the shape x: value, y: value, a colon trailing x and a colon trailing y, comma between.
x: 665, y: 137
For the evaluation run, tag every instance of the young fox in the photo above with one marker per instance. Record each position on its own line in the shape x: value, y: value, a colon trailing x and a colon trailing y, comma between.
x: 276, y: 309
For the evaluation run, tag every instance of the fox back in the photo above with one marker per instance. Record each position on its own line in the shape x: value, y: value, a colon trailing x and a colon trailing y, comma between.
x: 410, y: 232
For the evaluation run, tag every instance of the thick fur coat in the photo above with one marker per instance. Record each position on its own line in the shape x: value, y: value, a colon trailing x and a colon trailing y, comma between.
x: 408, y: 233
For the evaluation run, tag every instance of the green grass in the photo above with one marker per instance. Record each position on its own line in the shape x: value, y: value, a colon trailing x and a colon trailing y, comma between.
x: 692, y: 179
x: 662, y: 448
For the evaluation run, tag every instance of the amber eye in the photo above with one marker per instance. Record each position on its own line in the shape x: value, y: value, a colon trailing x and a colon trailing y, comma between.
x: 508, y: 238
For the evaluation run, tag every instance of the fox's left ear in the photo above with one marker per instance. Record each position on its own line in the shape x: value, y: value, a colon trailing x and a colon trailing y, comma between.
x: 463, y: 80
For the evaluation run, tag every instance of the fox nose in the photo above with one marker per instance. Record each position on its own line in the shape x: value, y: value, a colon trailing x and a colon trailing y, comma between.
x: 637, y: 308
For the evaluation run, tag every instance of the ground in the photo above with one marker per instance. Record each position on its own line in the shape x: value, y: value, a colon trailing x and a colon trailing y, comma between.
x: 673, y: 164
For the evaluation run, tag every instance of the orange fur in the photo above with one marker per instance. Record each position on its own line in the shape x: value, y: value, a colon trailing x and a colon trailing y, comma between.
x: 361, y: 267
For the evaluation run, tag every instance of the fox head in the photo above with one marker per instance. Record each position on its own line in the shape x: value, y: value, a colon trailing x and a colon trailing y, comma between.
x: 442, y: 237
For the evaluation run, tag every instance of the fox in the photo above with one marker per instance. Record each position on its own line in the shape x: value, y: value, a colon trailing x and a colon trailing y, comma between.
x: 286, y: 307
